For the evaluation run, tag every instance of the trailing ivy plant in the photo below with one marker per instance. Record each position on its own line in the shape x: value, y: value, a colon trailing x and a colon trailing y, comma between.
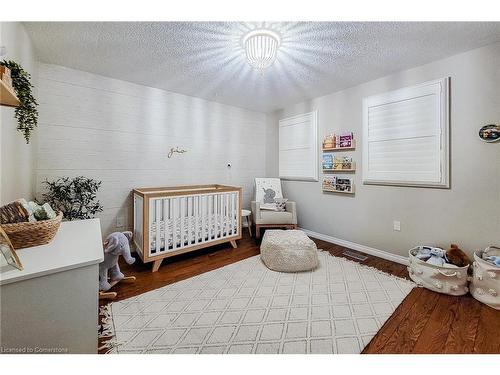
x: 75, y: 197
x: 27, y: 113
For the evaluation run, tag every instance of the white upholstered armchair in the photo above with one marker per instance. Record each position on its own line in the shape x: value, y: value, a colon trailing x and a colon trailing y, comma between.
x: 266, y: 190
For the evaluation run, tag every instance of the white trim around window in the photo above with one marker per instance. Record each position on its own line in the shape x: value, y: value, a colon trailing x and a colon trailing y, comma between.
x: 406, y: 136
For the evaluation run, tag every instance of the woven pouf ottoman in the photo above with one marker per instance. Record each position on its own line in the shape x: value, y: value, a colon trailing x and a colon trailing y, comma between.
x: 288, y: 251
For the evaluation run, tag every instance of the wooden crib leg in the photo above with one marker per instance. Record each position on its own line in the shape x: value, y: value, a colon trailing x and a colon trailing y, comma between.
x: 234, y: 244
x: 157, y: 264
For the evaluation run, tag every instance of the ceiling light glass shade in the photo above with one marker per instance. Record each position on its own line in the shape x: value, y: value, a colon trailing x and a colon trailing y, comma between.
x: 261, y: 46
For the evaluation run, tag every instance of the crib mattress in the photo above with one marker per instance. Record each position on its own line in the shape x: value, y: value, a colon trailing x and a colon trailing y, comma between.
x: 193, y: 228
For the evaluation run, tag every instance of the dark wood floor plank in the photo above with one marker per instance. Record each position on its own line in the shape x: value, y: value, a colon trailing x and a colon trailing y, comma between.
x: 488, y: 331
x: 435, y: 333
x: 407, y: 333
x: 463, y: 331
x: 425, y: 322
x: 379, y: 341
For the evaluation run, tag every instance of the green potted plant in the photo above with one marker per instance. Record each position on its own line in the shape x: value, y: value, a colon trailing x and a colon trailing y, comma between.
x: 75, y: 197
x: 26, y: 113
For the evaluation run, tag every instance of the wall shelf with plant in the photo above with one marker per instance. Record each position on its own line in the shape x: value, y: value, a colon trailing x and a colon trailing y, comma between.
x: 16, y: 91
x: 8, y: 97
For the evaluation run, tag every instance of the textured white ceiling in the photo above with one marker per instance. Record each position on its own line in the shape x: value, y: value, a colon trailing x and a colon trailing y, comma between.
x: 205, y: 59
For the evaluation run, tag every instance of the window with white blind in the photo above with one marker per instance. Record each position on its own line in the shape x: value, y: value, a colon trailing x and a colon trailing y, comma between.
x: 405, y: 136
x: 298, y: 147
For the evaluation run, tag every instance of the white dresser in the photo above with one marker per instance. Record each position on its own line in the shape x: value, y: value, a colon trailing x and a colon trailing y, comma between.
x: 52, y: 305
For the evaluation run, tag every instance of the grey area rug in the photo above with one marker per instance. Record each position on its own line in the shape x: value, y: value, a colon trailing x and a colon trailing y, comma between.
x: 246, y: 308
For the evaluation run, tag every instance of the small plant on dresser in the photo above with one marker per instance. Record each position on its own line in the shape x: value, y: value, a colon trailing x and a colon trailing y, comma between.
x: 75, y: 197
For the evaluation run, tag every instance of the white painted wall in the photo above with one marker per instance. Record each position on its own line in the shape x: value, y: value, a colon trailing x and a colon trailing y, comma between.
x: 121, y: 133
x: 272, y: 140
x: 16, y: 157
x: 467, y: 214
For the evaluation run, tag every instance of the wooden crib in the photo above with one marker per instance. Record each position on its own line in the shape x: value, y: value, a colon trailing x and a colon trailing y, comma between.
x: 175, y: 220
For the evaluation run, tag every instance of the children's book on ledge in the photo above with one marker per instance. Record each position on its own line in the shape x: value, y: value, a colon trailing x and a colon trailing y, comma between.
x: 327, y: 161
x: 338, y: 184
x: 337, y: 163
x: 336, y: 141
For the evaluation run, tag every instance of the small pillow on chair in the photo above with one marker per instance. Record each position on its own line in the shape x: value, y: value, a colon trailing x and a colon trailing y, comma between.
x: 280, y: 204
x: 268, y: 206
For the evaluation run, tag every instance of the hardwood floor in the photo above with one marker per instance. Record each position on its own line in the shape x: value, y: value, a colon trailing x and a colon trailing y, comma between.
x: 425, y: 322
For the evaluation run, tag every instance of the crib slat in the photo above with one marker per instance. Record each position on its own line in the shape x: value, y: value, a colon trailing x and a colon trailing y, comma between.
x: 237, y: 210
x: 197, y: 218
x: 223, y: 215
x: 188, y: 219
x: 220, y: 230
x: 182, y: 214
x: 192, y: 227
x: 212, y: 217
x: 234, y: 212
x: 229, y: 215
x: 206, y: 217
x: 175, y: 202
x: 165, y: 223
x: 219, y: 215
x: 151, y: 220
x: 202, y: 214
x: 195, y: 223
x: 229, y: 222
x: 222, y: 211
x: 226, y: 214
x: 158, y: 224
x: 216, y: 216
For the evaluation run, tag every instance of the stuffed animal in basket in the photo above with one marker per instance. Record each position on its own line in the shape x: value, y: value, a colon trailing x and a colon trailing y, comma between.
x: 457, y: 257
x: 493, y: 260
x: 432, y: 255
x: 116, y: 244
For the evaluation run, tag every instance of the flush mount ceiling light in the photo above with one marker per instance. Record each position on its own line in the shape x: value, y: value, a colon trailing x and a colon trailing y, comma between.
x: 261, y: 46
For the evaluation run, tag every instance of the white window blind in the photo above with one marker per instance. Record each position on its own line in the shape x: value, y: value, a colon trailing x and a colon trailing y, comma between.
x: 405, y: 136
x: 298, y: 152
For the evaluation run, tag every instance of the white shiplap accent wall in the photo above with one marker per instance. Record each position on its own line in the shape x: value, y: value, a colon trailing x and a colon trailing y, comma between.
x: 120, y: 133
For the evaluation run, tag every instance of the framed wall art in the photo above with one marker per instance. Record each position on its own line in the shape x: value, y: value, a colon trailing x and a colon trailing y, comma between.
x: 8, y: 251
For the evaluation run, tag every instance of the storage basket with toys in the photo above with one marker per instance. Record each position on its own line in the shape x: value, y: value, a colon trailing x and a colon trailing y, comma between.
x: 485, y: 283
x: 443, y: 271
x: 28, y: 223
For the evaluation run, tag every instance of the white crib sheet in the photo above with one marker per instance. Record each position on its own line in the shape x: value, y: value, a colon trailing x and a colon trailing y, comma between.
x: 218, y: 225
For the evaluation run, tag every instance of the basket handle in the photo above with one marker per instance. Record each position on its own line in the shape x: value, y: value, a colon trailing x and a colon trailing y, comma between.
x: 447, y: 274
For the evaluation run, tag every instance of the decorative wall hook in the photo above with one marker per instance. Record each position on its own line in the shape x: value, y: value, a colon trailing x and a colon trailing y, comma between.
x: 175, y: 150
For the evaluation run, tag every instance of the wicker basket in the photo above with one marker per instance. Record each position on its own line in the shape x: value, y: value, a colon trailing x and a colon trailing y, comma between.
x: 452, y: 281
x: 485, y: 284
x: 37, y: 233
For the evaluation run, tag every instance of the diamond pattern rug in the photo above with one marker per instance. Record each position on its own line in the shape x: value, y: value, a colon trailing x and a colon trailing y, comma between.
x: 246, y: 308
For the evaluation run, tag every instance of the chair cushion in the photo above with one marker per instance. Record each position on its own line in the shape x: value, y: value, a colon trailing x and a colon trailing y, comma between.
x: 288, y: 251
x: 275, y: 217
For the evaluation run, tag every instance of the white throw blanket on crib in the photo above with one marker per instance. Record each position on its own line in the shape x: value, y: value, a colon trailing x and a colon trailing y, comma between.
x: 193, y: 229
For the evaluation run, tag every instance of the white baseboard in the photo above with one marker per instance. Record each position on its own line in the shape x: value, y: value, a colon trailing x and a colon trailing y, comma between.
x: 355, y: 246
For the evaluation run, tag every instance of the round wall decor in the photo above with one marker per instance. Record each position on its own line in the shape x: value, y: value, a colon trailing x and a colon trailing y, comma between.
x: 490, y: 133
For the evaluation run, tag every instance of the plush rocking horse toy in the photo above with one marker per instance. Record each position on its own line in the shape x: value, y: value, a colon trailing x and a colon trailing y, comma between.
x: 116, y: 244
